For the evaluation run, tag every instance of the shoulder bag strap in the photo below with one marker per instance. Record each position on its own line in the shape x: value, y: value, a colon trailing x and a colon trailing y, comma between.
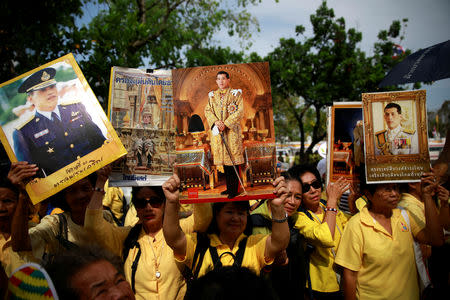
x: 421, y: 268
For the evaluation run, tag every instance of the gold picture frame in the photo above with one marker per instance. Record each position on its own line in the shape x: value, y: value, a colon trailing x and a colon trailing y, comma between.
x: 67, y: 148
x: 399, y: 154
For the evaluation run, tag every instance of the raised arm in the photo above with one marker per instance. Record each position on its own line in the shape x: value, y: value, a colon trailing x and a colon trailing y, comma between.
x: 444, y: 211
x: 279, y: 238
x: 19, y: 173
x: 96, y: 201
x: 432, y: 234
x: 334, y: 193
x: 173, y: 233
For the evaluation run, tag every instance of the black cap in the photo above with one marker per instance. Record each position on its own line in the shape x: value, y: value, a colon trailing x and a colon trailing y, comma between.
x: 39, y: 80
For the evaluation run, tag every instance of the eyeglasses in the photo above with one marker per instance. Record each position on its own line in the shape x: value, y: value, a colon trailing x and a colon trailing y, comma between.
x: 307, y: 186
x: 155, y: 202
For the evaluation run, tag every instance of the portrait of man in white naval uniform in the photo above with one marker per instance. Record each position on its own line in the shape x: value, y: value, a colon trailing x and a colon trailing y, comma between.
x: 395, y: 139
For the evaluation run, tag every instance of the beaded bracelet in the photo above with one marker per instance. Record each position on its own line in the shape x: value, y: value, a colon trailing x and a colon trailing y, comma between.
x: 331, y: 209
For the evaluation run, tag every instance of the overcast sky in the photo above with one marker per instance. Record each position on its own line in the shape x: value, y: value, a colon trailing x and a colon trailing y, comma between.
x: 429, y: 24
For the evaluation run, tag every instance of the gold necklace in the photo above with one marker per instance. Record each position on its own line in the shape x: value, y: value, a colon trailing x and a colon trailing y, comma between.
x: 157, y: 260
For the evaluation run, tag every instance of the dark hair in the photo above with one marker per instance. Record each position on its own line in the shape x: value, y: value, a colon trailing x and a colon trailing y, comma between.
x: 59, y: 199
x: 292, y: 174
x: 65, y: 266
x: 299, y: 170
x: 241, y: 205
x: 230, y: 282
x: 395, y: 105
x: 224, y: 73
x: 157, y: 189
x: 5, y: 183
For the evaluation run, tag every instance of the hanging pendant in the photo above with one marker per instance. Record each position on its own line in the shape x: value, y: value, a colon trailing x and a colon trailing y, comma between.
x: 158, y: 274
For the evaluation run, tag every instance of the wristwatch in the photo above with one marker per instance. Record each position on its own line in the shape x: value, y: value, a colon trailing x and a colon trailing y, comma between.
x: 282, y: 220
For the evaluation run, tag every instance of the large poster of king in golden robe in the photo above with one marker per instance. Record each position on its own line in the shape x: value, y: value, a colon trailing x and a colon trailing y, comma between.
x: 50, y: 117
x: 225, y: 138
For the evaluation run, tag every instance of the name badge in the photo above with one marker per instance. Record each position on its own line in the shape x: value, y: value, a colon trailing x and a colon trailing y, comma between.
x: 39, y: 134
x: 75, y: 113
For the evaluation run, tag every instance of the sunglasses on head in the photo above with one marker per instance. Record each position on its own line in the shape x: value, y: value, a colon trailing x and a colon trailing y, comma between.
x: 306, y: 187
x: 155, y: 202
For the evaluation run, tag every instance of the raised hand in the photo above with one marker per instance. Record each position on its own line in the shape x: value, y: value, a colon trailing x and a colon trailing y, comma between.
x: 336, y: 189
x: 428, y: 182
x: 20, y: 172
x: 281, y: 190
x: 103, y: 174
x: 442, y: 193
x: 171, y: 188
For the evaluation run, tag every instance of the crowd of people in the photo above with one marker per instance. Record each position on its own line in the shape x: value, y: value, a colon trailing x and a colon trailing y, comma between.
x: 300, y: 245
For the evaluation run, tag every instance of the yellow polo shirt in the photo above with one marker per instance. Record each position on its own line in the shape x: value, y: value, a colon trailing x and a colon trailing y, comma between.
x: 385, y: 263
x: 253, y: 256
x: 323, y: 277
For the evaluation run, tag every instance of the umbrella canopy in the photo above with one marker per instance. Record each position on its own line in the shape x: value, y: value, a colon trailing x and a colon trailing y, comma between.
x: 426, y: 65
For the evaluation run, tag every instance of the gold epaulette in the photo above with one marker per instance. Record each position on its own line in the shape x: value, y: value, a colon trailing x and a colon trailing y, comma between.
x: 25, y: 122
x: 70, y: 102
x: 410, y: 131
x: 380, y: 132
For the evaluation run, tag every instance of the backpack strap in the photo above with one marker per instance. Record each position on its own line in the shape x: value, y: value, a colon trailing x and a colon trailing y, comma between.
x: 62, y: 235
x: 131, y: 240
x: 240, y: 253
x: 238, y: 257
x: 258, y: 220
x: 134, y: 268
x: 200, y: 249
x: 129, y: 243
x: 309, y: 250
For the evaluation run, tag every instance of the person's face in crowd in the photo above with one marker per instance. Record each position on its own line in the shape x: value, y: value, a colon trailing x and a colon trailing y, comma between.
x: 294, y: 197
x: 101, y: 280
x: 311, y: 190
x: 78, y: 196
x: 222, y: 81
x: 44, y: 99
x: 149, y: 208
x: 8, y: 202
x: 231, y: 220
x: 386, y: 196
x: 392, y: 117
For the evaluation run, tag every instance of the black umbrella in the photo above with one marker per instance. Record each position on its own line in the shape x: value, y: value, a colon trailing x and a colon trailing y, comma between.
x: 426, y: 65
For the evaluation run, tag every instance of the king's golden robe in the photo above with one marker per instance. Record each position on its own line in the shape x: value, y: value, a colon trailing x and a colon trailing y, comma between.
x: 228, y: 108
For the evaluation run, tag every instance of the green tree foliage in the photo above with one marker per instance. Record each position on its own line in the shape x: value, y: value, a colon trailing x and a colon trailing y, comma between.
x: 310, y: 73
x: 160, y: 33
x: 35, y: 32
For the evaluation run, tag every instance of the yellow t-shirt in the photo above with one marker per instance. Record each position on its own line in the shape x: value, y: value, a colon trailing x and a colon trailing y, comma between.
x: 253, y: 259
x: 385, y: 263
x: 323, y: 277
